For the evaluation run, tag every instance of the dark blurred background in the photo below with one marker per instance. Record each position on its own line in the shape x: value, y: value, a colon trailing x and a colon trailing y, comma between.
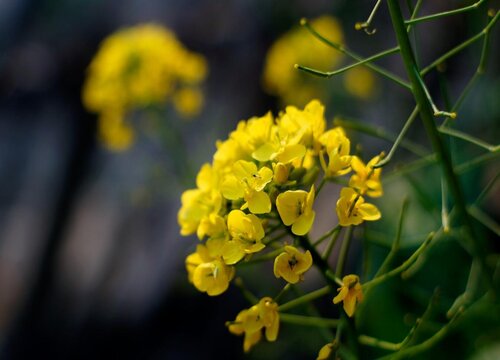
x: 91, y: 263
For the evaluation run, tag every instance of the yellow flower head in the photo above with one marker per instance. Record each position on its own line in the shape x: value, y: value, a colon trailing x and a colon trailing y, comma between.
x: 352, y: 209
x: 208, y: 274
x: 298, y: 46
x: 366, y: 179
x: 295, y: 208
x: 350, y: 293
x: 250, y: 322
x: 292, y: 264
x: 197, y: 204
x: 337, y: 146
x: 248, y: 182
x: 246, y: 233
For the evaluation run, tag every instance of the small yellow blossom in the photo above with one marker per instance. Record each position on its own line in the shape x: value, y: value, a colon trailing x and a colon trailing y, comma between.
x: 208, y: 273
x: 360, y: 82
x: 366, y: 179
x: 281, y: 172
x: 295, y: 208
x: 246, y: 233
x: 337, y: 146
x: 292, y: 264
x: 188, y: 101
x: 352, y: 209
x: 325, y: 352
x: 248, y: 182
x: 196, y: 205
x: 251, y: 322
x: 350, y: 293
x: 298, y: 46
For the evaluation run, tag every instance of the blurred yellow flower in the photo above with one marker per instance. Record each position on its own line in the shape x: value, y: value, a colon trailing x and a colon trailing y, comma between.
x: 298, y: 46
x: 366, y: 179
x: 139, y: 66
x: 360, y: 82
x: 292, y: 264
x: 350, y: 293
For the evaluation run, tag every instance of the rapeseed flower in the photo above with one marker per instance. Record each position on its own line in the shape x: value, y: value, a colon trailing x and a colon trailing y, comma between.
x: 350, y: 293
x: 352, y: 209
x: 295, y: 208
x: 292, y: 264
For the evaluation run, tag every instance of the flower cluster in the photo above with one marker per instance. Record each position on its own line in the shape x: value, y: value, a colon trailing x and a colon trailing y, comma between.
x: 262, y: 179
x: 297, y: 46
x: 136, y: 67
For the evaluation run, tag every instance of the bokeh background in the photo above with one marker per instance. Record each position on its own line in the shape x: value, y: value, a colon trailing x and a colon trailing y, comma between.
x: 91, y: 260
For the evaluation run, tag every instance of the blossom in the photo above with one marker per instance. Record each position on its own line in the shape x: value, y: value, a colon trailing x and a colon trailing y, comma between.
x: 250, y: 322
x: 366, y: 179
x: 248, y: 182
x: 352, y: 209
x: 295, y: 208
x: 292, y: 264
x: 246, y: 233
x: 207, y: 272
x: 297, y: 46
x: 325, y: 352
x: 337, y: 146
x: 350, y: 293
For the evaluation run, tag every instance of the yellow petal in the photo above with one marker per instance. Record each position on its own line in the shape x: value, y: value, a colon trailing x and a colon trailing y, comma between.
x: 259, y: 203
x: 291, y: 152
x: 232, y: 189
x: 350, y: 305
x: 341, y: 295
x: 303, y: 224
x: 369, y: 212
x: 232, y: 252
x: 289, y: 205
x: 264, y: 152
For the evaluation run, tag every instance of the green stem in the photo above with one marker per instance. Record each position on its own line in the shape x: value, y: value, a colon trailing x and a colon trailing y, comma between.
x: 327, y: 235
x: 397, y: 240
x: 381, y: 133
x: 484, y: 219
x: 466, y: 137
x: 308, y: 320
x: 355, y: 56
x: 399, y: 139
x: 429, y: 124
x: 365, y: 25
x: 251, y: 298
x: 328, y: 74
x: 487, y: 189
x: 380, y: 279
x: 304, y: 299
x: 462, y: 46
x: 331, y: 243
x: 343, y: 252
x: 471, y: 164
x: 445, y: 13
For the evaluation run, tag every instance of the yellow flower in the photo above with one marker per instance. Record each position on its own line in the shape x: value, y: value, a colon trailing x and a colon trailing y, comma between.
x: 246, y: 233
x: 298, y: 46
x: 208, y: 273
x: 360, y: 82
x: 352, y: 209
x: 295, y: 208
x: 337, y: 147
x: 250, y: 322
x: 114, y: 132
x: 292, y: 264
x: 366, y: 179
x: 325, y: 352
x: 350, y: 293
x: 248, y: 182
x: 188, y: 101
x: 304, y: 126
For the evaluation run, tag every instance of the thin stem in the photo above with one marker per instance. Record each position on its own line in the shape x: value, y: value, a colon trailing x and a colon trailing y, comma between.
x: 381, y: 344
x: 381, y: 133
x: 320, y: 186
x: 266, y: 257
x: 402, y: 267
x: 484, y: 219
x: 445, y: 13
x: 471, y: 164
x: 397, y: 240
x: 466, y: 137
x: 365, y: 25
x: 308, y: 320
x: 327, y: 235
x: 328, y: 74
x: 251, y: 298
x: 445, y: 219
x: 343, y: 252
x: 399, y: 139
x: 282, y: 292
x: 426, y: 115
x: 331, y: 243
x: 304, y: 299
x: 487, y: 189
x: 355, y: 56
x: 414, y: 13
x: 461, y: 46
x: 436, y: 111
